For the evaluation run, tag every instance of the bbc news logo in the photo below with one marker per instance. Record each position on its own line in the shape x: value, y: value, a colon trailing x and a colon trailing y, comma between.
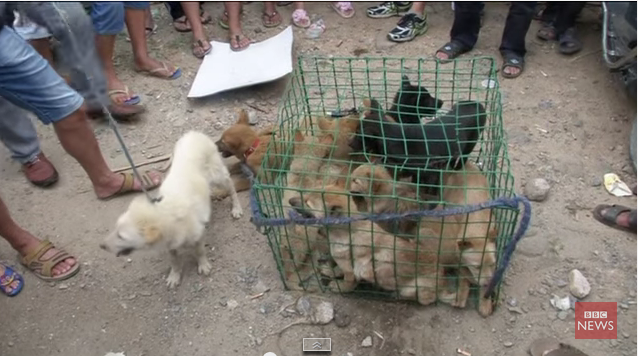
x: 596, y: 320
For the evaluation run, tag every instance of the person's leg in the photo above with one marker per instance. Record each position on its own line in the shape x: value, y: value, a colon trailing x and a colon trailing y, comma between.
x: 566, y: 16
x: 270, y: 17
x: 238, y: 40
x: 27, y: 80
x: 300, y: 16
x: 108, y: 21
x: 412, y: 24
x: 24, y: 243
x: 180, y: 23
x: 512, y: 46
x: 201, y: 44
x: 134, y: 15
x: 18, y: 134
x: 465, y: 29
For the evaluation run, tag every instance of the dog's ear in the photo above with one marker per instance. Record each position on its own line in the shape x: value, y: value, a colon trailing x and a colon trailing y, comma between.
x: 242, y: 118
x: 405, y: 81
x: 298, y: 136
x: 152, y: 234
x: 439, y: 103
x: 464, y: 244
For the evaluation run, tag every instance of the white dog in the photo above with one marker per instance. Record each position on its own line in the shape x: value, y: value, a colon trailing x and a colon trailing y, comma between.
x: 180, y: 216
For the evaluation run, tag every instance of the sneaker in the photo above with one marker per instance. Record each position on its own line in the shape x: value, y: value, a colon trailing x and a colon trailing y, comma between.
x: 40, y: 171
x: 410, y: 26
x: 389, y: 9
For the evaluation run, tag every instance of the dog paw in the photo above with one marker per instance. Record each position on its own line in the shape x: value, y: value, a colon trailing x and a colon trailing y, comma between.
x: 173, y: 280
x: 218, y: 194
x: 237, y: 212
x: 204, y: 267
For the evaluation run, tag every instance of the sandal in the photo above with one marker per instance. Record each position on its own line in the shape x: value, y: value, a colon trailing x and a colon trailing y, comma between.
x: 271, y: 20
x: 181, y: 24
x: 452, y: 49
x: 200, y: 50
x: 162, y: 72
x: 552, y: 347
x: 133, y: 100
x: 11, y: 282
x: 300, y: 18
x: 43, y: 269
x: 568, y: 42
x: 547, y: 33
x: 237, y: 40
x: 343, y: 8
x: 512, y: 60
x: 128, y: 185
x: 611, y: 213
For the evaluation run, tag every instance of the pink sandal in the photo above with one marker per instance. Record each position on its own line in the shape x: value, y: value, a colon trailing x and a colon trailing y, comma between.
x: 343, y: 8
x: 300, y: 18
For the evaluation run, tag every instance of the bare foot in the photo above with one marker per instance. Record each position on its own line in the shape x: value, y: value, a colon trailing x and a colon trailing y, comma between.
x: 510, y: 70
x: 119, y: 98
x: 442, y: 56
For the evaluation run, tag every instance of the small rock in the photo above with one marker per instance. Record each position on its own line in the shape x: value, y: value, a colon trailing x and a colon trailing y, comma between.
x: 145, y: 293
x: 560, y: 303
x: 63, y: 286
x: 537, y: 189
x: 508, y: 344
x: 83, y: 285
x: 349, y: 354
x: 411, y: 351
x: 516, y: 310
x: 623, y: 305
x: 562, y: 315
x: 218, y: 126
x: 578, y: 123
x: 342, y: 319
x: 259, y: 288
x: 367, y: 342
x: 596, y: 181
x: 532, y: 246
x: 232, y: 304
x: 189, y: 110
x: 560, y: 283
x: 625, y: 335
x: 258, y: 30
x: 324, y: 313
x: 259, y: 341
x: 512, y: 302
x: 578, y: 284
x: 223, y: 302
x: 303, y: 306
x: 546, y: 104
x: 10, y: 344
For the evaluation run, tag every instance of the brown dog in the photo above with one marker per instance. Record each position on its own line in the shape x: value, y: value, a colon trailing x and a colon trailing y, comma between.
x: 468, y: 240
x: 374, y: 190
x: 342, y: 130
x: 393, y: 263
x: 241, y: 141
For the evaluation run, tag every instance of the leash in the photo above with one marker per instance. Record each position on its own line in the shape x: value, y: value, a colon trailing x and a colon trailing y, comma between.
x: 259, y: 220
x: 113, y: 125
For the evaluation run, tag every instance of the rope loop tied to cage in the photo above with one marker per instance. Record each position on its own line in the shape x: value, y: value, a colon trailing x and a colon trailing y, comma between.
x: 259, y: 220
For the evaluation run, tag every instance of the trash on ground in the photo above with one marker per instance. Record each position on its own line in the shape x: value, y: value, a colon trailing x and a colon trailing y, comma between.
x: 615, y: 186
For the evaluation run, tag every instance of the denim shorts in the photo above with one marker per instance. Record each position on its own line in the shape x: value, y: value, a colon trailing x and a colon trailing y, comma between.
x: 29, y: 30
x: 28, y: 81
x: 108, y: 16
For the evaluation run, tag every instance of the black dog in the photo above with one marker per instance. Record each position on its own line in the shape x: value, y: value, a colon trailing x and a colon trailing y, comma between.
x: 412, y: 102
x: 442, y: 143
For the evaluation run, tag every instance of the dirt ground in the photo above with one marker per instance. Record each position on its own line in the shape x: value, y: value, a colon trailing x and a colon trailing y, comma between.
x: 567, y: 120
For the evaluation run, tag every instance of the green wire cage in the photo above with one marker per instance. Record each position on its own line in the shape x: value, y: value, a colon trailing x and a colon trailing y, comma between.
x: 318, y: 175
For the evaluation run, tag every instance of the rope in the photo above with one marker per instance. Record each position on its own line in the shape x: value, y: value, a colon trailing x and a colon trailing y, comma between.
x: 259, y: 220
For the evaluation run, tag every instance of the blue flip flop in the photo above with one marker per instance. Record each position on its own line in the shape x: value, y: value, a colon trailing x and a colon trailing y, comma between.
x: 134, y: 100
x: 9, y: 276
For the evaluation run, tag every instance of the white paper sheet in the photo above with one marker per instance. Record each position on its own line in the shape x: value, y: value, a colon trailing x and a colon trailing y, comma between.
x: 261, y: 62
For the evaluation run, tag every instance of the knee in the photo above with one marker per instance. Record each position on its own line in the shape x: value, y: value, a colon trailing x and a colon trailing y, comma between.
x: 107, y: 17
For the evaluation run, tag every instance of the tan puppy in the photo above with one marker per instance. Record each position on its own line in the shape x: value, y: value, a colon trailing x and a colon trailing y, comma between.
x: 390, y: 265
x: 342, y: 130
x: 178, y: 220
x: 375, y: 191
x: 241, y: 141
